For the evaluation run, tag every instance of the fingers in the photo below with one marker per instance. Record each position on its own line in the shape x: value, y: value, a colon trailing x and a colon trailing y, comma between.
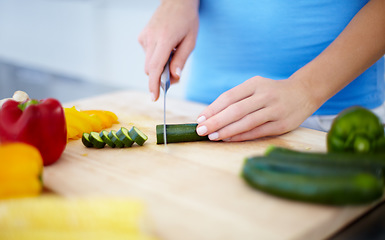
x: 247, y: 123
x: 226, y: 99
x: 272, y: 128
x: 173, y: 25
x: 228, y: 119
x: 229, y: 107
x: 180, y: 57
x: 156, y: 64
x: 157, y: 54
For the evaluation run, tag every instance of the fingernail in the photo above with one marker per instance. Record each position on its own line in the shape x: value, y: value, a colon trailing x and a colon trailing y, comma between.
x: 213, y: 136
x: 178, y: 71
x: 201, y: 130
x: 201, y: 119
x: 153, y: 97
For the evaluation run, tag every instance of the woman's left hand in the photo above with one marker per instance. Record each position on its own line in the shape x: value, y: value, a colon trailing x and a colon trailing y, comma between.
x: 257, y: 108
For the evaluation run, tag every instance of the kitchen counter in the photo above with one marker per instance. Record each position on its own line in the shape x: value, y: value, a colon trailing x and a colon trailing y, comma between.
x: 193, y: 190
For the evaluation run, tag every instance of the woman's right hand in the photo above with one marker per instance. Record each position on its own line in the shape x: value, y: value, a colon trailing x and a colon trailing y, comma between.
x: 174, y: 25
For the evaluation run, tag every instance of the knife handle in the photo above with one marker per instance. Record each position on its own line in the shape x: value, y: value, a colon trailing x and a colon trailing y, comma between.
x: 165, y: 77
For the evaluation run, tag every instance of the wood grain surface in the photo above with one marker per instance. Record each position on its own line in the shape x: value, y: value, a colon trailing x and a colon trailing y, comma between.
x: 193, y: 191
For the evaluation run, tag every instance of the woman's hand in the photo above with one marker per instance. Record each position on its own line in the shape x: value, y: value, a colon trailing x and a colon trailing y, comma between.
x: 259, y: 107
x: 174, y: 25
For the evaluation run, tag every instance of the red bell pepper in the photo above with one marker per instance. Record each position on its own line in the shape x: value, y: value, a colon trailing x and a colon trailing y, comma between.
x: 39, y: 123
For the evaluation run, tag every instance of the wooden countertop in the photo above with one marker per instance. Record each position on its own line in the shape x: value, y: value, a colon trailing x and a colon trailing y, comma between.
x: 192, y: 190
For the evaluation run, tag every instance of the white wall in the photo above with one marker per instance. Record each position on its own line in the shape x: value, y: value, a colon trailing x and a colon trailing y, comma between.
x: 95, y: 40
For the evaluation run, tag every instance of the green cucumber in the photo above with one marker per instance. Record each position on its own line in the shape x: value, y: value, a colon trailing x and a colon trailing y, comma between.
x: 115, y: 139
x: 357, y: 188
x: 104, y: 136
x: 347, y: 158
x: 313, y: 168
x: 96, y: 140
x: 124, y: 136
x: 179, y: 133
x: 86, y: 140
x: 138, y: 136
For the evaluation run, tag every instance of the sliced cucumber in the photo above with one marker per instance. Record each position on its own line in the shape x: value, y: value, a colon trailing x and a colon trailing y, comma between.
x: 86, y: 140
x: 124, y: 136
x: 96, y: 140
x: 115, y: 139
x: 104, y: 136
x: 138, y: 136
x: 179, y: 133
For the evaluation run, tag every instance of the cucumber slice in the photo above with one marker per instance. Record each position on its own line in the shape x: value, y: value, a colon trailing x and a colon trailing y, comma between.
x: 124, y: 136
x: 179, y: 133
x: 115, y: 139
x: 86, y: 140
x: 104, y: 136
x: 96, y: 140
x: 138, y: 136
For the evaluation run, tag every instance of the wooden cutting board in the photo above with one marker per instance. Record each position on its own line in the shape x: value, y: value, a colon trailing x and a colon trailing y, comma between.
x: 192, y: 190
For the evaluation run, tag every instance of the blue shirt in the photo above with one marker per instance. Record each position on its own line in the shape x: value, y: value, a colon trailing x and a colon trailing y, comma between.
x: 241, y: 39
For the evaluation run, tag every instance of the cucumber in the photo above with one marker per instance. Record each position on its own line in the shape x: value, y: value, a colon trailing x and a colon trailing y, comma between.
x: 313, y: 168
x: 115, y: 139
x: 124, y: 136
x: 104, y: 136
x: 353, y: 189
x: 179, y: 133
x: 138, y: 136
x: 347, y: 158
x: 86, y: 140
x: 96, y: 140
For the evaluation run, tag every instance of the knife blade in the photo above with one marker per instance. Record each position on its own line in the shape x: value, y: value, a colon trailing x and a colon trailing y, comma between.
x: 165, y: 85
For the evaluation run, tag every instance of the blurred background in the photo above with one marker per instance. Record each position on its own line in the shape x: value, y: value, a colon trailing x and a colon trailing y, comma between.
x: 71, y: 49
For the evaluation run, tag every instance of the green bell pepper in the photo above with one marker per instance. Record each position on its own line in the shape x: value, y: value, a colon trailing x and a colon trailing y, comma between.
x: 357, y: 130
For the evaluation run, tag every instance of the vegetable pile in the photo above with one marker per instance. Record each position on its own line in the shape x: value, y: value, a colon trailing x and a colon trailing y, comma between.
x: 118, y: 139
x: 351, y: 172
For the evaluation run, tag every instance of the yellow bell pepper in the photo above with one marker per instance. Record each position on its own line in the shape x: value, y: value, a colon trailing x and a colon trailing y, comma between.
x: 82, y: 121
x: 73, y: 119
x: 108, y: 118
x: 72, y: 133
x: 21, y: 167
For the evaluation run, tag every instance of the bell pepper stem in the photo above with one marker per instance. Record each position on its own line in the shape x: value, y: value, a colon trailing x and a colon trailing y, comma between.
x: 28, y: 103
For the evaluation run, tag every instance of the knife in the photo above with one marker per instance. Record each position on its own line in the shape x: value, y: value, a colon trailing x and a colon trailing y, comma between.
x: 165, y: 85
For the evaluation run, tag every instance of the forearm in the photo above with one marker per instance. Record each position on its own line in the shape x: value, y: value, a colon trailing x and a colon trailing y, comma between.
x: 358, y: 47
